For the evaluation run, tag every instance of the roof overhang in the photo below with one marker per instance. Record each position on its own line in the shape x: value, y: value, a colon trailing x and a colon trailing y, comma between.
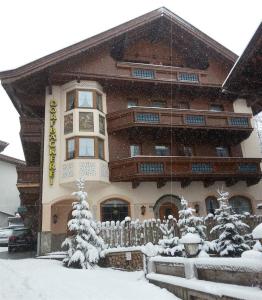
x: 78, y: 48
x: 3, y: 145
x: 245, y: 78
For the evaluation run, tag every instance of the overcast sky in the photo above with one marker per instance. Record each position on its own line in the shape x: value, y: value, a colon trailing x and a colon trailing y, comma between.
x: 31, y: 29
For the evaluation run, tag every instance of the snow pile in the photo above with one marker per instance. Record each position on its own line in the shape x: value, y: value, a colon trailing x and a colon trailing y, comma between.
x: 169, y: 244
x: 252, y: 254
x: 229, y: 226
x: 235, y: 264
x: 222, y: 290
x: 257, y: 232
x: 32, y: 279
x: 190, y: 238
x: 150, y: 250
x: 84, y: 246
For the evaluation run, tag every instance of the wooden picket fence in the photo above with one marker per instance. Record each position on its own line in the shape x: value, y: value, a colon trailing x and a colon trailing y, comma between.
x: 137, y: 233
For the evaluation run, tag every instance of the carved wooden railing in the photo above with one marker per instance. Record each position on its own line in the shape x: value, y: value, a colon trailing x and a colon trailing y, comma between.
x: 142, y: 71
x: 154, y: 168
x: 28, y: 175
x: 31, y: 129
x: 178, y: 118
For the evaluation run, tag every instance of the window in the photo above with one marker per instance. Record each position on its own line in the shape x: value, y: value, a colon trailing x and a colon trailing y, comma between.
x: 85, y: 99
x: 211, y: 204
x: 135, y: 150
x: 188, y: 151
x: 182, y: 105
x: 101, y: 124
x: 162, y: 150
x: 216, y: 107
x: 81, y: 147
x: 99, y: 102
x: 240, y: 204
x: 101, y: 151
x: 158, y: 104
x: 70, y: 148
x: 86, y: 147
x: 131, y: 103
x: 114, y: 210
x: 68, y: 123
x: 86, y: 121
x: 222, y: 151
x: 70, y: 100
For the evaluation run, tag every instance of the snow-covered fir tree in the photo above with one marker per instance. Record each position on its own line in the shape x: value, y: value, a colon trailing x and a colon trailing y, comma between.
x: 169, y: 244
x: 188, y: 223
x: 84, y: 246
x: 231, y: 241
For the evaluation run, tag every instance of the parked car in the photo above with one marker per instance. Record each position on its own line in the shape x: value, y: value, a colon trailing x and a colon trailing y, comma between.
x: 21, y: 238
x: 5, y: 233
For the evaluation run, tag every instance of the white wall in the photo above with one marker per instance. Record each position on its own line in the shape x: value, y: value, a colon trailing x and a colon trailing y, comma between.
x: 9, y: 195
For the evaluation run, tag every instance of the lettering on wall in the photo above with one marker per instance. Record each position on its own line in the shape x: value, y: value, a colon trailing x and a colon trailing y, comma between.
x: 52, y: 141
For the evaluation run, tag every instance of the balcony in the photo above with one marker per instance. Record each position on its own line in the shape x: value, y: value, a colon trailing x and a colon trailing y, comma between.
x: 163, y: 73
x: 28, y: 179
x: 31, y: 130
x: 234, y: 126
x: 186, y: 169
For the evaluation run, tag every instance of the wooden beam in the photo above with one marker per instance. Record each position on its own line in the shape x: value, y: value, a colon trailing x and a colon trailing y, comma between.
x: 208, y: 183
x: 135, y: 184
x: 231, y: 181
x: 185, y: 182
x: 160, y: 183
x: 252, y: 181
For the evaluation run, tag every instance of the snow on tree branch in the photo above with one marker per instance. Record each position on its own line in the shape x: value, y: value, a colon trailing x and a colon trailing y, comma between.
x: 85, y: 245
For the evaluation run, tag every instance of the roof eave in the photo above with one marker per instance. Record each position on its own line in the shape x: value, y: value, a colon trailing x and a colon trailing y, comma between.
x: 70, y: 51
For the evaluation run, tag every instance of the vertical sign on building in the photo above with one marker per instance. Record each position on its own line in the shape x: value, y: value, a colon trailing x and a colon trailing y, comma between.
x: 52, y: 141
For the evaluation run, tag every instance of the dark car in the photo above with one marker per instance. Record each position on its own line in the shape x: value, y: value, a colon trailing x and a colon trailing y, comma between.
x: 21, y: 238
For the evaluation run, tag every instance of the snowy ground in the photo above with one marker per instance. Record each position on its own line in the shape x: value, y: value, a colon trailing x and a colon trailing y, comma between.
x: 33, y: 279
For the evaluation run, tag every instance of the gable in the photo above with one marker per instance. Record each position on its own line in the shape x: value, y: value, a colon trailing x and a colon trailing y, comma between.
x: 158, y: 21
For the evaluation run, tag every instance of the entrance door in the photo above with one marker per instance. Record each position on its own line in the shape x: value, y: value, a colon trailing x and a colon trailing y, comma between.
x: 167, y: 209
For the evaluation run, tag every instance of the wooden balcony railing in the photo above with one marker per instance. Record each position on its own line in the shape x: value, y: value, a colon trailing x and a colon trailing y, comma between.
x: 28, y: 177
x: 177, y: 118
x: 31, y: 129
x: 163, y: 73
x: 181, y: 168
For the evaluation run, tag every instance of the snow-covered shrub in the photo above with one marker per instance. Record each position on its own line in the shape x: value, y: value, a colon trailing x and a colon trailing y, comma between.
x: 84, y: 246
x: 169, y: 244
x: 229, y: 227
x: 188, y: 223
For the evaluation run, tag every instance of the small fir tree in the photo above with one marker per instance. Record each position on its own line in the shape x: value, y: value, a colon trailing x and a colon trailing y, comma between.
x: 84, y: 246
x: 169, y: 244
x: 188, y: 223
x: 229, y: 227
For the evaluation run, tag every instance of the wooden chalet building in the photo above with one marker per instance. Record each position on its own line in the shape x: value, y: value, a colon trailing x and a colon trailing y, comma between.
x: 138, y: 111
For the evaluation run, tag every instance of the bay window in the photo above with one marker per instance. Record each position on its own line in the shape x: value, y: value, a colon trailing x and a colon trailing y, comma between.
x: 84, y: 99
x: 85, y: 147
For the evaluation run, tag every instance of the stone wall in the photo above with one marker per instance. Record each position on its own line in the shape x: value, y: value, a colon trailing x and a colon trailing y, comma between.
x: 233, y: 277
x: 126, y: 260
